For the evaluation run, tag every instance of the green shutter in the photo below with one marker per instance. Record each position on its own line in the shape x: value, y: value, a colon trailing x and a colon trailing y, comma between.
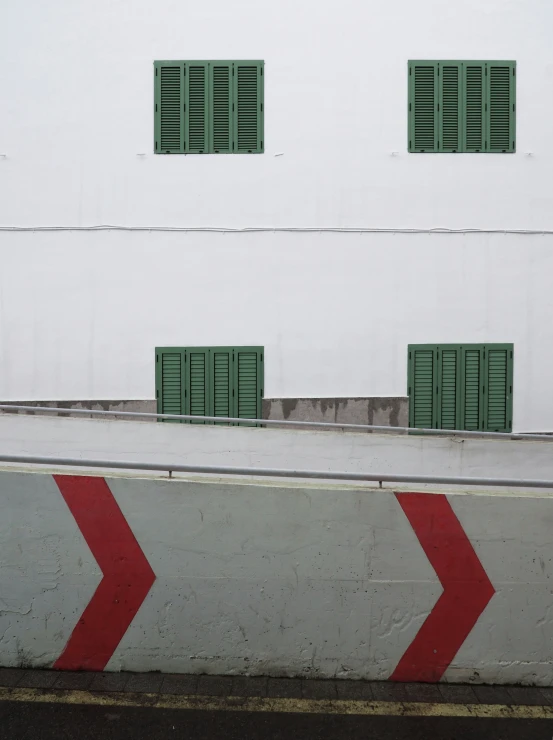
x: 248, y: 382
x: 422, y: 385
x: 220, y: 101
x: 197, y: 382
x: 196, y: 102
x: 501, y: 88
x: 221, y: 381
x: 248, y: 106
x: 448, y: 387
x: 461, y: 387
x: 168, y: 107
x: 471, y: 390
x: 498, y: 388
x: 423, y: 106
x: 450, y: 114
x: 170, y: 383
x: 474, y: 105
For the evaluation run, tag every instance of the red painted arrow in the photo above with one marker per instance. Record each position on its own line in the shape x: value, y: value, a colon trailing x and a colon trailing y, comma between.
x: 127, y: 575
x: 467, y: 588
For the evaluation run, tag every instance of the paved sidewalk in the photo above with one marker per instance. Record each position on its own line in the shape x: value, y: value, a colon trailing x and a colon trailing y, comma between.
x: 285, y: 688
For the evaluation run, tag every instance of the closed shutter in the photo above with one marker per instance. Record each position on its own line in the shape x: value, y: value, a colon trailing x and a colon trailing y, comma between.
x: 472, y: 376
x: 197, y: 382
x: 220, y: 86
x: 221, y: 381
x: 168, y: 107
x: 170, y: 382
x: 474, y: 106
x: 450, y: 107
x: 422, y: 382
x: 248, y: 106
x: 501, y: 106
x: 448, y: 387
x: 423, y: 106
x: 196, y: 103
x: 498, y: 388
x: 248, y: 382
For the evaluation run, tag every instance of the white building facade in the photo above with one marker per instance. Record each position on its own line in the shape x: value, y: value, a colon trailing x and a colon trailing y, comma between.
x: 334, y: 249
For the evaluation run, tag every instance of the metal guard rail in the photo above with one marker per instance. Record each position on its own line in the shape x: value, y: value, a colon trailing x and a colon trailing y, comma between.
x: 171, y: 468
x: 283, y: 423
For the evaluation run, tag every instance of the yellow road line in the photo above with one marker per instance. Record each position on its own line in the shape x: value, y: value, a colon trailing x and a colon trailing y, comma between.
x: 297, y: 706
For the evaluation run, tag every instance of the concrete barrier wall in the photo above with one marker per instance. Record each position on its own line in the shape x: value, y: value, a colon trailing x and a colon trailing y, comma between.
x: 275, y: 448
x: 146, y: 574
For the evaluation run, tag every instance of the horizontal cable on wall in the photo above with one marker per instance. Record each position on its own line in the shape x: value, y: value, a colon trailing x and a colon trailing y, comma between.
x: 278, y: 229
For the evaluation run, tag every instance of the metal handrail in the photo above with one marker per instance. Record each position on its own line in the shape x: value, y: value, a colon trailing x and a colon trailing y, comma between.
x: 284, y: 423
x: 171, y: 468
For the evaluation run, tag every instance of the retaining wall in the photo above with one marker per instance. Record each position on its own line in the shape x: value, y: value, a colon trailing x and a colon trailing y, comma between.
x: 142, y: 574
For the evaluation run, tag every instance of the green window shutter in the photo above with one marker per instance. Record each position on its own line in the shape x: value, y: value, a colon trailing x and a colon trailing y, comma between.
x: 221, y: 381
x: 170, y: 395
x: 248, y: 382
x: 450, y: 113
x: 448, y: 387
x: 498, y: 388
x: 248, y: 106
x: 196, y: 107
x: 220, y: 101
x: 474, y: 106
x: 197, y: 382
x: 168, y: 107
x: 423, y: 106
x: 471, y: 388
x: 501, y: 88
x: 422, y: 380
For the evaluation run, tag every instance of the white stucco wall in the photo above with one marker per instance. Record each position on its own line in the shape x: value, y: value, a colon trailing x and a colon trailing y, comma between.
x: 81, y: 312
x: 77, y: 108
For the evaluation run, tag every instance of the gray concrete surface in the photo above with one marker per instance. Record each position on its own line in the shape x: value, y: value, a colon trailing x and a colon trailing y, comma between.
x: 259, y: 686
x: 45, y: 720
x: 385, y: 411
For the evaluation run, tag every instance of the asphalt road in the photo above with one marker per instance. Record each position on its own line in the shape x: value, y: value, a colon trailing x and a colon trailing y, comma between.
x: 38, y: 721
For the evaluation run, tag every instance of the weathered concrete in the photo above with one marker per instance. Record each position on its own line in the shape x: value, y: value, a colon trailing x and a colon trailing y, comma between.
x: 379, y: 411
x: 300, y: 580
x: 385, y: 411
x: 145, y: 406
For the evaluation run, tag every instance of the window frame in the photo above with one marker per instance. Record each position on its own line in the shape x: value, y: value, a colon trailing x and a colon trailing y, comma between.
x: 234, y: 65
x: 438, y: 64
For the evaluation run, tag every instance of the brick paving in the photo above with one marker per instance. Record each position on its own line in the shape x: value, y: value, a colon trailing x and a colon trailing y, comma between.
x: 261, y: 686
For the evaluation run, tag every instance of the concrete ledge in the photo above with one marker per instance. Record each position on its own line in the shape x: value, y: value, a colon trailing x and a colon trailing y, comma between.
x: 381, y: 411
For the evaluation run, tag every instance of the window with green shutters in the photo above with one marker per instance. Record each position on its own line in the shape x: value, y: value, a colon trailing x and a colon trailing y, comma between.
x: 208, y: 107
x: 454, y: 386
x: 210, y: 381
x: 462, y: 106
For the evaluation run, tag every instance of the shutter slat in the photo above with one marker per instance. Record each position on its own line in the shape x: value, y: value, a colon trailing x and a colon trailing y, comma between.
x: 472, y: 371
x: 451, y: 100
x: 497, y: 397
x: 169, y: 370
x: 448, y: 388
x: 501, y: 90
x: 474, y: 106
x: 422, y: 382
x: 423, y: 89
x: 197, y: 98
x: 198, y: 386
x: 221, y: 106
x: 221, y: 368
x: 169, y: 122
x: 248, y: 115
